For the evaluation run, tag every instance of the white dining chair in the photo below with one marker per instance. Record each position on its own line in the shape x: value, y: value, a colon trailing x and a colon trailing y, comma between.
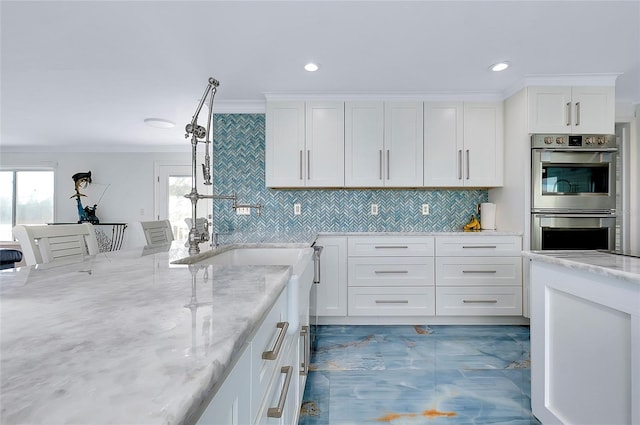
x: 157, y: 232
x: 63, y: 242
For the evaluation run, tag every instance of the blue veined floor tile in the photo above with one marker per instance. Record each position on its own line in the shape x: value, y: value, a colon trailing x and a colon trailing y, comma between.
x: 420, y: 375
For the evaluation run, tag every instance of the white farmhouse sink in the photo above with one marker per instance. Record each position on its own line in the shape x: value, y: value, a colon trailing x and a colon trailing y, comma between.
x: 297, y: 258
x: 300, y: 260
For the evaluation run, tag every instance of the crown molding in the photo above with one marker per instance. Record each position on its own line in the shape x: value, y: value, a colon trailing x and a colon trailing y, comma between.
x: 384, y: 96
x: 239, y: 107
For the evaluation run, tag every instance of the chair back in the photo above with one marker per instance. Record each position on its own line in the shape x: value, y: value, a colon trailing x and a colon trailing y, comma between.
x: 64, y: 242
x: 157, y: 232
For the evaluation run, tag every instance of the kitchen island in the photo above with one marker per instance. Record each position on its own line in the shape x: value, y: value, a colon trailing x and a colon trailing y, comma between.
x: 585, y: 337
x: 126, y: 336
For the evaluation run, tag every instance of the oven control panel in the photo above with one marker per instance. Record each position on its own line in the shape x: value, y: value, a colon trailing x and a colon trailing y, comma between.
x: 573, y: 141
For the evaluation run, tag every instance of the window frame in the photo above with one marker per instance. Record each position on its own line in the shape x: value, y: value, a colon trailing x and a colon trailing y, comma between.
x: 17, y: 169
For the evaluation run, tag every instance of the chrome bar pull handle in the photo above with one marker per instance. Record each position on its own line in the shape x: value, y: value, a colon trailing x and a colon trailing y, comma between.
x: 304, y: 366
x: 276, y: 412
x: 577, y: 113
x: 388, y: 166
x: 308, y: 164
x: 392, y: 301
x: 479, y: 246
x: 480, y: 301
x: 480, y: 271
x: 391, y: 246
x: 568, y: 114
x: 391, y: 271
x: 273, y: 354
x: 300, y: 162
x: 468, y: 164
x: 380, y: 163
x: 459, y: 164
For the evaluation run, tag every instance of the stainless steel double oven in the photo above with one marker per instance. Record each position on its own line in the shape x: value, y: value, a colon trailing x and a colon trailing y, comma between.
x: 573, y: 192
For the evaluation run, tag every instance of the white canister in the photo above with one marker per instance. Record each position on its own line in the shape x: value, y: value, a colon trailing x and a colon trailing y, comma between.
x: 488, y: 216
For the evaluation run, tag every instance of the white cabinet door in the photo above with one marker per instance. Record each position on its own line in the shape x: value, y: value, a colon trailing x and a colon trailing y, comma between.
x: 332, y: 290
x: 285, y: 144
x: 483, y: 145
x: 549, y: 109
x: 594, y: 110
x: 383, y: 144
x: 364, y: 144
x: 443, y: 144
x: 304, y: 144
x: 324, y: 144
x: 232, y: 403
x: 403, y: 144
x: 463, y: 145
x: 586, y: 110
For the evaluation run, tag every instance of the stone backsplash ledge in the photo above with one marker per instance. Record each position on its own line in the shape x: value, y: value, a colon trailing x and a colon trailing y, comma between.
x: 238, y: 158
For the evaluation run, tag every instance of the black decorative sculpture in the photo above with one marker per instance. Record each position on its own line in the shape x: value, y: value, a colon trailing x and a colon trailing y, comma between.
x: 85, y: 214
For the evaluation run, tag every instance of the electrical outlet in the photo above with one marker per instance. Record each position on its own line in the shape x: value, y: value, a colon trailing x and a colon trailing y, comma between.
x: 374, y: 209
x: 243, y: 211
x: 297, y: 209
x: 425, y: 209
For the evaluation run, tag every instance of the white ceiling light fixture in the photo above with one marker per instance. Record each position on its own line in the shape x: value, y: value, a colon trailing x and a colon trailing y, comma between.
x: 500, y: 66
x: 311, y: 67
x: 159, y: 123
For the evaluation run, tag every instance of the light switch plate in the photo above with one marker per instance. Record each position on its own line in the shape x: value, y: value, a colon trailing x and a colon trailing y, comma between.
x: 374, y: 209
x: 243, y: 211
x: 425, y: 209
x: 297, y: 209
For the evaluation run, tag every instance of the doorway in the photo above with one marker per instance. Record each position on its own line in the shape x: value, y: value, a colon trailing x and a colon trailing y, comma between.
x: 173, y: 181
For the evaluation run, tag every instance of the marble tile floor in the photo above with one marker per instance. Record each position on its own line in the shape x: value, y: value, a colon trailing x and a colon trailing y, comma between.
x: 415, y: 375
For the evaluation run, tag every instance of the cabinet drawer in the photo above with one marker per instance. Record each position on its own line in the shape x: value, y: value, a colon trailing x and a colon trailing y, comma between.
x: 263, y: 341
x: 398, y: 301
x: 461, y: 271
x: 390, y: 246
x: 400, y: 271
x: 479, y: 301
x: 479, y: 246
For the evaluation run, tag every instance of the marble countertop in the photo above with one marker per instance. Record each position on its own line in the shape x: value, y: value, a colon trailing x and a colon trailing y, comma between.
x: 603, y: 263
x: 460, y: 233
x: 125, y: 337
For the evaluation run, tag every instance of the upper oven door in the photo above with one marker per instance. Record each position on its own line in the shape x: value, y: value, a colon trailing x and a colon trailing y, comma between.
x: 573, y: 180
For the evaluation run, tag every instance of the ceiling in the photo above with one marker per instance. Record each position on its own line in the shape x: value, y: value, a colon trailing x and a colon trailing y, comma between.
x: 83, y: 75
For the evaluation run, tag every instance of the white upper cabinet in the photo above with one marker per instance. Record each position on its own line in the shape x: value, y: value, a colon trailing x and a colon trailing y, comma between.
x: 364, y: 144
x: 577, y: 110
x: 383, y: 144
x: 463, y: 144
x: 304, y: 144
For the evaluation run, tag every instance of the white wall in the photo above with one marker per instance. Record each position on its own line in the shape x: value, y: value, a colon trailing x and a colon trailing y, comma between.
x: 130, y: 195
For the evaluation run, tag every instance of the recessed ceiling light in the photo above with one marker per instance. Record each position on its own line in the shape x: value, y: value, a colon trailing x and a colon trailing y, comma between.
x: 159, y: 123
x: 500, y: 66
x: 311, y: 67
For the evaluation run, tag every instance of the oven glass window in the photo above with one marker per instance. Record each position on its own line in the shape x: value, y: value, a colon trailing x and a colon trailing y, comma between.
x: 572, y: 179
x: 575, y: 238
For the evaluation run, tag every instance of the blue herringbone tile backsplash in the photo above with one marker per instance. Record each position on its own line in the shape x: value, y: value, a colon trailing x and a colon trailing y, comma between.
x: 239, y: 168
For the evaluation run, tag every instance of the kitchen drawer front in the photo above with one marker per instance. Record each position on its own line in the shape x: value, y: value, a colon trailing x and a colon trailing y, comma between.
x: 478, y: 246
x: 265, y: 340
x: 479, y: 301
x: 461, y: 271
x: 390, y: 246
x: 398, y: 301
x: 397, y: 271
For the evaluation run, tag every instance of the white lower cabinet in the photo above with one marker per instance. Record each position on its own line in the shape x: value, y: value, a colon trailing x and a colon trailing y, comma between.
x: 392, y: 301
x: 332, y: 290
x: 410, y: 276
x: 266, y: 384
x: 478, y: 276
x: 231, y: 404
x: 391, y: 276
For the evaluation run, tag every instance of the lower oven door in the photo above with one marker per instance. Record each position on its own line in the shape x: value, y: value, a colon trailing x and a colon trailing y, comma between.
x: 572, y: 231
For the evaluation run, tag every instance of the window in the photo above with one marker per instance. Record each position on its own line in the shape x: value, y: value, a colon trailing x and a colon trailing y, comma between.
x: 26, y: 198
